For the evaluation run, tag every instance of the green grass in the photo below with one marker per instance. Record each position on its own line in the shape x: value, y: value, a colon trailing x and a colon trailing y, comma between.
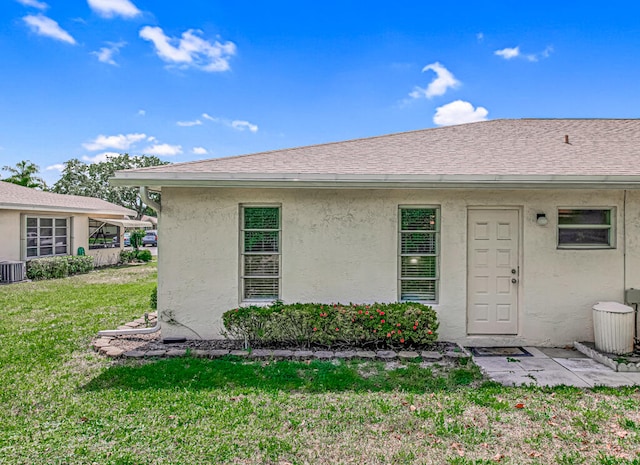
x: 61, y: 403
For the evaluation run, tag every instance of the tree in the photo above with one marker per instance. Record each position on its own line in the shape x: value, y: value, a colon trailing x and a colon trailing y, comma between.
x: 24, y: 174
x: 79, y: 178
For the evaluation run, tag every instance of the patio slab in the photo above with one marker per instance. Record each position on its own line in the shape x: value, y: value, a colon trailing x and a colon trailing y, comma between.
x: 553, y: 367
x: 583, y: 364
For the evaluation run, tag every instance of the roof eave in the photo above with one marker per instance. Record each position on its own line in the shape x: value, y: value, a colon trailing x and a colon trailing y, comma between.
x: 387, y: 181
x: 59, y: 209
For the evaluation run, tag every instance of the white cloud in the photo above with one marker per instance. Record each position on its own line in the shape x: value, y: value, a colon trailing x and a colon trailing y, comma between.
x: 190, y: 50
x: 480, y: 36
x: 546, y: 52
x: 442, y: 82
x: 189, y: 123
x: 111, y: 8
x: 163, y: 150
x: 142, y: 112
x: 99, y: 158
x: 47, y: 27
x: 105, y: 54
x: 508, y: 53
x: 56, y: 167
x: 459, y: 112
x: 514, y: 52
x: 119, y: 142
x: 242, y: 125
x: 34, y: 4
x: 199, y: 151
x: 237, y: 124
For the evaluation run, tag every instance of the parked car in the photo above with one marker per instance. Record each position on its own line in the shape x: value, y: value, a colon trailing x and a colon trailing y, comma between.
x: 150, y: 238
x: 127, y: 239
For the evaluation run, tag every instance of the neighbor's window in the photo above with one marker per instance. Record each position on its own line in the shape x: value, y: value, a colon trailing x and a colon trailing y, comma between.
x: 586, y: 228
x: 47, y: 237
x: 260, y: 253
x: 419, y: 250
x: 103, y: 235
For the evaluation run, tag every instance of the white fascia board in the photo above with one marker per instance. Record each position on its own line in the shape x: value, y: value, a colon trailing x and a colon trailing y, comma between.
x: 389, y: 181
x: 49, y: 208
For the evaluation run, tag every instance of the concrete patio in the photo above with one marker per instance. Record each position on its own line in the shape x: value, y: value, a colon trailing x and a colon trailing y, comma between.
x: 553, y: 367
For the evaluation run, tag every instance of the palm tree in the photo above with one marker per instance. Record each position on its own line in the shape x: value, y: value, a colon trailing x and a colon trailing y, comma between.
x: 24, y: 174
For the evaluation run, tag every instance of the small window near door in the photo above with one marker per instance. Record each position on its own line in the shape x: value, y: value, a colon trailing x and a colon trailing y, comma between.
x: 586, y: 228
x: 419, y: 253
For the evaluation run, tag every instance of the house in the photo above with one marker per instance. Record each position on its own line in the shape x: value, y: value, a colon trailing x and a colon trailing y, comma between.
x: 35, y: 224
x: 510, y: 229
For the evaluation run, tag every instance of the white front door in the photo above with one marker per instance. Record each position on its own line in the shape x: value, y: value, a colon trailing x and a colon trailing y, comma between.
x: 493, y: 271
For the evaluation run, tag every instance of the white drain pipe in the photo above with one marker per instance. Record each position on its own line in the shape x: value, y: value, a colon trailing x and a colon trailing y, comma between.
x: 124, y: 332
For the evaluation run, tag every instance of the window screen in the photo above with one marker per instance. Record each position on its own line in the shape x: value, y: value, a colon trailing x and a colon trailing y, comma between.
x: 419, y: 251
x: 260, y: 253
x: 585, y: 228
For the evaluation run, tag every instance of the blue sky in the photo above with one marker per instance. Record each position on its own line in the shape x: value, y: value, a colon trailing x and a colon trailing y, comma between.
x: 201, y: 78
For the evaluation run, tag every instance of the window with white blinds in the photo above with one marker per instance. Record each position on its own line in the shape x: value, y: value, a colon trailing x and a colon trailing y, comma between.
x: 418, y: 253
x: 260, y: 252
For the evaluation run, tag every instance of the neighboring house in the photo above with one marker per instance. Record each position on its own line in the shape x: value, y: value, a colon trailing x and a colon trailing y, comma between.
x: 36, y: 224
x: 510, y: 229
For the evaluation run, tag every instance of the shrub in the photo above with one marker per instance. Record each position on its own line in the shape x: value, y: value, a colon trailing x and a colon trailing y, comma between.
x: 302, y: 325
x: 153, y: 301
x: 143, y: 255
x: 136, y: 238
x: 58, y: 267
x: 128, y: 256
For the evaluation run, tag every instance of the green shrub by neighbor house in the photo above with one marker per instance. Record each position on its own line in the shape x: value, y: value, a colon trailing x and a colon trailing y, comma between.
x: 58, y: 267
x: 128, y: 256
x: 394, y: 325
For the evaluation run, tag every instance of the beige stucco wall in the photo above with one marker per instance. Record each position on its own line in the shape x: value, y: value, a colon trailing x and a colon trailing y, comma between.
x: 10, y: 234
x: 342, y: 245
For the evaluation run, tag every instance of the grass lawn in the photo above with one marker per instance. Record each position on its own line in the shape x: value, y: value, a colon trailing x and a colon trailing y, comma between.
x: 61, y: 403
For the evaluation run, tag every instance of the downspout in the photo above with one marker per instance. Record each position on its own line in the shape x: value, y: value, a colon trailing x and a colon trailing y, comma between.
x: 144, y: 195
x: 625, y: 244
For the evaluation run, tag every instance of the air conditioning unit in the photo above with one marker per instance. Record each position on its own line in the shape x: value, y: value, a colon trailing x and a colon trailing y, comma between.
x: 12, y: 272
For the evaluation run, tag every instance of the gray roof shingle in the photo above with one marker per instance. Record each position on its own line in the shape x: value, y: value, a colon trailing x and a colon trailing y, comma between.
x: 518, y: 147
x: 15, y: 197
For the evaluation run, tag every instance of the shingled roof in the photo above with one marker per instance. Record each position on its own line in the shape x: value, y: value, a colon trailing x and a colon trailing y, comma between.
x: 498, y: 151
x: 15, y: 197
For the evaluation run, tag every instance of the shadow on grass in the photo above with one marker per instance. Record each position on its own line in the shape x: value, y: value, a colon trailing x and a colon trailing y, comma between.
x: 316, y: 376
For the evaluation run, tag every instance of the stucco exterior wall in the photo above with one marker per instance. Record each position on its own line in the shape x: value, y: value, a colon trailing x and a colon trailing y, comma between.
x: 10, y: 234
x: 342, y: 246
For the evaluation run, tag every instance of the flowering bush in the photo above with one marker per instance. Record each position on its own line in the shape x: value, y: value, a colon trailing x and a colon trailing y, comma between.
x: 302, y: 325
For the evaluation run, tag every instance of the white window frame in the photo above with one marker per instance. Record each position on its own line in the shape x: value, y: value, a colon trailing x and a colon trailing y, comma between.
x: 610, y: 227
x: 436, y: 233
x: 39, y: 238
x: 243, y: 253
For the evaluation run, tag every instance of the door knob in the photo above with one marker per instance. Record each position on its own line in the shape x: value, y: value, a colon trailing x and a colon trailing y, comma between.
x: 514, y: 280
x: 513, y: 271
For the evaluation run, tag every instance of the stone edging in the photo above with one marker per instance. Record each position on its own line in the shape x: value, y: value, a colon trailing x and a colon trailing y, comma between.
x: 103, y: 345
x: 452, y: 356
x: 630, y: 367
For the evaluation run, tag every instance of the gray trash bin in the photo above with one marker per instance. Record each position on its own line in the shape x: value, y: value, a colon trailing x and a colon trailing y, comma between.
x: 613, y: 327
